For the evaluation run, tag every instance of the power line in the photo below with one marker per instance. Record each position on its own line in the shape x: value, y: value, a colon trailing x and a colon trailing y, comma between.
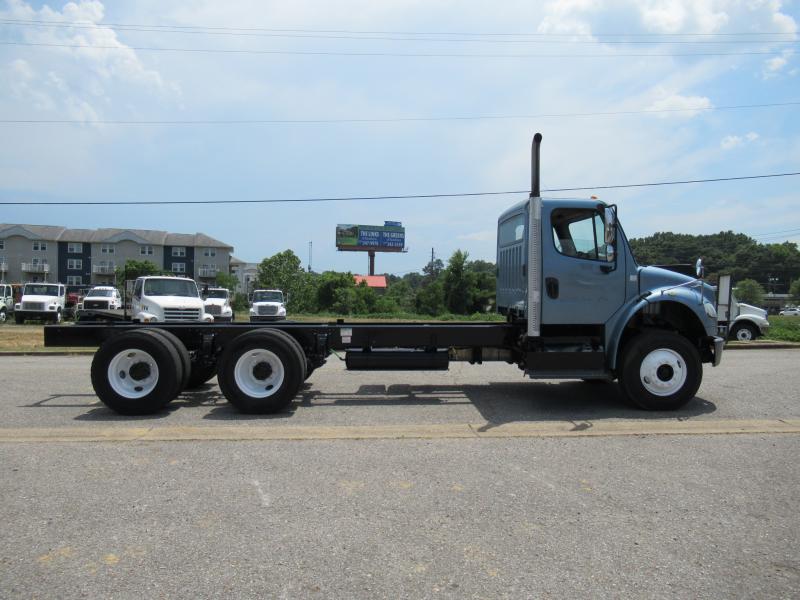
x: 384, y: 54
x: 771, y: 233
x: 380, y: 37
x: 438, y: 33
x: 383, y: 120
x: 388, y: 197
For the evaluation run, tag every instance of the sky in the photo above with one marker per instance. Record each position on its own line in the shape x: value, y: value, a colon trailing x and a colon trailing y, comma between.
x: 442, y: 60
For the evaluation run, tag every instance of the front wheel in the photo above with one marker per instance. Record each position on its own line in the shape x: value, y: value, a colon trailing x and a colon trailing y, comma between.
x: 3, y: 315
x: 743, y: 332
x: 660, y: 371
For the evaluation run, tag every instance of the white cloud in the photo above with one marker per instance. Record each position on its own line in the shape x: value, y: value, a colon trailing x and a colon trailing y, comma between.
x: 729, y: 142
x: 684, y: 106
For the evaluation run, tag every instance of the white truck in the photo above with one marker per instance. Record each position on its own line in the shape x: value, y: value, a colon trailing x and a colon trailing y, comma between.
x: 101, y: 297
x: 161, y: 299
x: 41, y: 301
x: 6, y: 301
x: 741, y: 322
x: 267, y: 305
x: 218, y: 303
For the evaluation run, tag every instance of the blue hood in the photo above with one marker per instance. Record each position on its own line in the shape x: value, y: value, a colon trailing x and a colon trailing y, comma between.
x: 654, y: 278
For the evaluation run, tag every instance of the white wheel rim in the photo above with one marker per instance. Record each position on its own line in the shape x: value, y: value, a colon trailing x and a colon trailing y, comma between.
x: 744, y: 335
x: 663, y: 372
x: 259, y: 373
x: 136, y: 384
x: 2, y: 316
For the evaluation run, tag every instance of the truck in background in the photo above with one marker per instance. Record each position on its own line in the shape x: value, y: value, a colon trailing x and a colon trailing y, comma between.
x: 164, y: 299
x: 737, y: 320
x: 6, y: 301
x: 267, y: 305
x: 217, y: 302
x: 577, y: 306
x: 42, y: 302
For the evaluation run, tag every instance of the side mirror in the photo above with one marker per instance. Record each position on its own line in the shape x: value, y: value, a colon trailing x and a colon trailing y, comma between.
x: 611, y: 226
x: 611, y: 253
x: 699, y: 268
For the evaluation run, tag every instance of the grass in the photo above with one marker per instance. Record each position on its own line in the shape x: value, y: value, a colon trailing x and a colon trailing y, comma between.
x: 28, y: 338
x: 784, y: 329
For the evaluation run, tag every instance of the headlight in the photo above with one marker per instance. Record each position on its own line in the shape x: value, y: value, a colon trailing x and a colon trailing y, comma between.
x: 52, y: 307
x: 17, y: 306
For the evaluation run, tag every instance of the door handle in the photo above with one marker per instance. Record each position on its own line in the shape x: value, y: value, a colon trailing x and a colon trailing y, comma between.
x: 551, y: 285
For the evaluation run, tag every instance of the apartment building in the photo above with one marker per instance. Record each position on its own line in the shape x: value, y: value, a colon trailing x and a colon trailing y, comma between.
x: 81, y: 257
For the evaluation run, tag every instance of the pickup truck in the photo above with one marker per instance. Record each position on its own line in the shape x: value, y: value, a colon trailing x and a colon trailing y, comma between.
x: 41, y: 301
x: 101, y: 297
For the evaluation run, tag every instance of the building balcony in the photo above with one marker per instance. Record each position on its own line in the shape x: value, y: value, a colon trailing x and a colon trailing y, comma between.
x: 3, y: 266
x: 35, y: 268
x: 207, y: 272
x: 103, y: 269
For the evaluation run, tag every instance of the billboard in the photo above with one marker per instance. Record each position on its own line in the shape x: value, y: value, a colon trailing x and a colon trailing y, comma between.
x: 390, y: 237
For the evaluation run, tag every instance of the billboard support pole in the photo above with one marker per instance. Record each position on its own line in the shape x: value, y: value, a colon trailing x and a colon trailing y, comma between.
x: 372, y: 262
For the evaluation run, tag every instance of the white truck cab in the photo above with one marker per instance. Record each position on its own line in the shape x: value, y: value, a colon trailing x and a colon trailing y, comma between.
x: 161, y: 299
x: 41, y: 301
x: 101, y: 297
x: 267, y: 305
x: 218, y: 303
x: 6, y: 301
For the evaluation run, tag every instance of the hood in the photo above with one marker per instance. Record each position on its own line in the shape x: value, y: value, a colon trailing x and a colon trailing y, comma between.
x: 267, y: 303
x: 747, y: 309
x: 214, y: 302
x: 653, y: 278
x: 173, y: 302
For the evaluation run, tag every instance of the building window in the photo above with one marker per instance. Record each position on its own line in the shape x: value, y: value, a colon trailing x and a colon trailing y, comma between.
x: 75, y: 248
x: 74, y: 264
x: 39, y: 246
x: 179, y: 267
x: 209, y: 251
x: 2, y: 244
x: 39, y: 261
x: 107, y: 249
x: 74, y: 280
x: 146, y: 250
x: 179, y: 251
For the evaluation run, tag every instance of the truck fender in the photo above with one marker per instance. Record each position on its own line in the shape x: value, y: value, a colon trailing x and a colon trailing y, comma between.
x: 685, y: 307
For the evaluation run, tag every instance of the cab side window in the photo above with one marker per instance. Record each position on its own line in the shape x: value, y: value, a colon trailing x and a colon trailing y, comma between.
x: 137, y: 289
x: 579, y: 232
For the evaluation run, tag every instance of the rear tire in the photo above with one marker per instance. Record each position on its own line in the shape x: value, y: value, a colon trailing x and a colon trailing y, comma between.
x: 660, y: 370
x: 260, y: 372
x: 183, y: 354
x: 136, y: 373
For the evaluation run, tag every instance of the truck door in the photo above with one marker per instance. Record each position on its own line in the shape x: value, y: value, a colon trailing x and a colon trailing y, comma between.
x: 579, y: 285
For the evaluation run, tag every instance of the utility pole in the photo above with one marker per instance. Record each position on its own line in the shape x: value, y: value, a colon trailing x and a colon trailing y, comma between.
x: 310, y: 245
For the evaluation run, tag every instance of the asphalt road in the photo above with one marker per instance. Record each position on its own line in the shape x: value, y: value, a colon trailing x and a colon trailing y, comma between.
x: 655, y: 516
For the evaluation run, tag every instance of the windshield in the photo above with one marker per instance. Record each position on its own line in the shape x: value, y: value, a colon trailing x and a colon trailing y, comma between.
x: 268, y: 297
x: 100, y: 293
x: 170, y: 287
x: 217, y: 294
x: 40, y: 290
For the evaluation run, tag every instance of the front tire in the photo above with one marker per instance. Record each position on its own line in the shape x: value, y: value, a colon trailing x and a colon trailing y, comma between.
x: 3, y: 315
x: 136, y: 373
x: 743, y: 332
x: 660, y: 370
x: 260, y: 372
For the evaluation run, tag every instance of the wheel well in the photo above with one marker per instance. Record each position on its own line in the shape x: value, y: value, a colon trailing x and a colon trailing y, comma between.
x: 667, y: 316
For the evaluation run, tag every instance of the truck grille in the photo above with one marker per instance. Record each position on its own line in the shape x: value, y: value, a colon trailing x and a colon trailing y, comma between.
x: 267, y: 310
x: 182, y: 314
x: 214, y: 309
x: 33, y: 306
x: 101, y: 304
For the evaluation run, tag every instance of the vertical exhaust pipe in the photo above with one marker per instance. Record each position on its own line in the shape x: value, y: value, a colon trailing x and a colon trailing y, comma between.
x: 535, y: 189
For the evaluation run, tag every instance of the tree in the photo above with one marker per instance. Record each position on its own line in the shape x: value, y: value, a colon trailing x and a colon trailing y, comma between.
x: 794, y: 290
x: 227, y: 281
x: 459, y: 284
x: 283, y: 271
x: 328, y: 284
x: 136, y: 268
x: 749, y: 291
x: 434, y: 268
x: 430, y: 299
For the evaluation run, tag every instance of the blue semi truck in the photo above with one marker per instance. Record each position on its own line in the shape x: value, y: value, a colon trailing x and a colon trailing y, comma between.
x: 577, y: 306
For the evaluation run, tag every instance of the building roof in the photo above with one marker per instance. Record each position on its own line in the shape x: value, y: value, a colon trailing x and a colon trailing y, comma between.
x: 111, y: 235
x: 373, y: 281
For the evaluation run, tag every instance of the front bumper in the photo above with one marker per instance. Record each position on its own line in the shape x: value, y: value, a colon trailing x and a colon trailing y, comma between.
x: 256, y: 318
x: 719, y: 344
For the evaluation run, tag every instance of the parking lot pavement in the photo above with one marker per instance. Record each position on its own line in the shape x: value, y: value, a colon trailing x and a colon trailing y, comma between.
x: 706, y: 516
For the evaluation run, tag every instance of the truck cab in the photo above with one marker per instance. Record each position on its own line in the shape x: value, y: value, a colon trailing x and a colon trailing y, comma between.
x: 267, y: 305
x: 217, y: 302
x: 566, y: 271
x: 41, y: 301
x: 161, y: 299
